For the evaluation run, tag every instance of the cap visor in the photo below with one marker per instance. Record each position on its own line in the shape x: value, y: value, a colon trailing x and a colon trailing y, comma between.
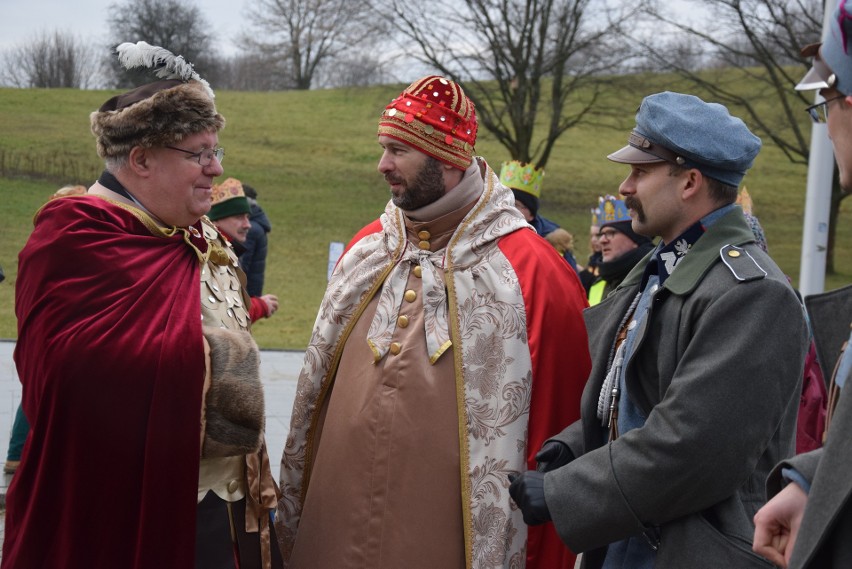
x: 632, y: 155
x: 812, y: 80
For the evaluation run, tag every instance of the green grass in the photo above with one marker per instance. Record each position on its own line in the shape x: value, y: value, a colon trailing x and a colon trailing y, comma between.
x: 312, y: 157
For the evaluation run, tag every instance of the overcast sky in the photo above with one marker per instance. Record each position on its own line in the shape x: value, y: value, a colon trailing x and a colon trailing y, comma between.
x: 20, y: 20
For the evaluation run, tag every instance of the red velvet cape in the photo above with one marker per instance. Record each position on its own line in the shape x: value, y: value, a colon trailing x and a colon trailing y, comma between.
x: 110, y: 356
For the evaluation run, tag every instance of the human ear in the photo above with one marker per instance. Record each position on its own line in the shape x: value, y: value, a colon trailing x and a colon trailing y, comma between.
x: 692, y: 181
x: 139, y: 161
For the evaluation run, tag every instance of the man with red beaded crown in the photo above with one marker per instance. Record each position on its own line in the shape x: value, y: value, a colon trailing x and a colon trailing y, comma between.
x: 448, y: 346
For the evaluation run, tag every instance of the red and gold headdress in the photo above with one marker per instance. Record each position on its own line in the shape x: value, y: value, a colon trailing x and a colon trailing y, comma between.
x: 435, y: 116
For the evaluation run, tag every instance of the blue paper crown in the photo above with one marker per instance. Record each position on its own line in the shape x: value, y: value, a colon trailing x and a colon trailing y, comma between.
x: 610, y: 210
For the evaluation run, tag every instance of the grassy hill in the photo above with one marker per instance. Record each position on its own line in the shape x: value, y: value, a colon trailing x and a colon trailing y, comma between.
x: 312, y: 157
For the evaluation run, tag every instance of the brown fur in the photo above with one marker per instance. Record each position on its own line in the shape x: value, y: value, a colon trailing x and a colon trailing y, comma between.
x: 165, y: 118
x: 234, y: 413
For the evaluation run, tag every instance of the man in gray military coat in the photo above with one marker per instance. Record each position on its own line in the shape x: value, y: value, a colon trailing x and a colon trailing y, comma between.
x: 697, y: 360
x: 808, y: 523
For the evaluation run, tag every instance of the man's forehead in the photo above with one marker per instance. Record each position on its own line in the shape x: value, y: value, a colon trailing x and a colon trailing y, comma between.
x: 388, y: 142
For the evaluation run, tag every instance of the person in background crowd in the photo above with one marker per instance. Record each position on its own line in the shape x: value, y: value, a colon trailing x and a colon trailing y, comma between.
x: 590, y: 271
x: 525, y: 182
x: 138, y: 401
x: 253, y: 259
x: 230, y: 215
x: 621, y: 248
x: 808, y: 521
x: 697, y: 365
x: 449, y: 343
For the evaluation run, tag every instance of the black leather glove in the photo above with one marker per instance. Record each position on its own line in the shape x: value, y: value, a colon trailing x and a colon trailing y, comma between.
x: 553, y: 455
x: 527, y: 490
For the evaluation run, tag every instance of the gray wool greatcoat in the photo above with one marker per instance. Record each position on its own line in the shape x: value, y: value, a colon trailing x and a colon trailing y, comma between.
x: 717, y: 372
x: 825, y: 536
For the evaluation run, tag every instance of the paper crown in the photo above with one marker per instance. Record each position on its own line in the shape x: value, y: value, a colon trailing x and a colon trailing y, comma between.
x: 611, y: 210
x: 435, y: 116
x: 228, y: 199
x: 521, y: 176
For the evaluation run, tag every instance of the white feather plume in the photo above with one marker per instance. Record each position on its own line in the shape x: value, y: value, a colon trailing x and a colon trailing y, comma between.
x: 164, y: 63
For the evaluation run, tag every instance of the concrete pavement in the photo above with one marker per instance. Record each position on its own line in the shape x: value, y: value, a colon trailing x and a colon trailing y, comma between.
x: 279, y: 372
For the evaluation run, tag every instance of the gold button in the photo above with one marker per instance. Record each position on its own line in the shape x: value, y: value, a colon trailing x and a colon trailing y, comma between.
x: 418, y: 271
x: 410, y: 295
x: 424, y: 245
x: 395, y: 348
x: 233, y: 486
x: 733, y: 253
x: 402, y: 321
x: 424, y: 234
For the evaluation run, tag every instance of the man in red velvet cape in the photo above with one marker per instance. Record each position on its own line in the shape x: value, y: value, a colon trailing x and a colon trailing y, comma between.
x: 118, y: 374
x: 449, y: 345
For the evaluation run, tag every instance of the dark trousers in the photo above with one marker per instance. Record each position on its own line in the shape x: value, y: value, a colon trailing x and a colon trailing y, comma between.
x: 214, y: 547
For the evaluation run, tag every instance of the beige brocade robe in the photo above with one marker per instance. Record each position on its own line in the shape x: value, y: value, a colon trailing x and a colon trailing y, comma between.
x: 395, y: 424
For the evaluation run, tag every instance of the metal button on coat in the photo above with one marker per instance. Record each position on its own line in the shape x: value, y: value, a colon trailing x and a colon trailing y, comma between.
x: 733, y: 254
x: 395, y: 348
x: 402, y: 321
x: 418, y: 271
x: 233, y: 486
x: 424, y: 235
x: 410, y: 295
x: 424, y: 245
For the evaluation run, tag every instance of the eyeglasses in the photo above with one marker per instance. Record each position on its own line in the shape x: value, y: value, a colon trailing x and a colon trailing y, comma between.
x: 819, y: 112
x: 203, y: 157
x: 608, y: 233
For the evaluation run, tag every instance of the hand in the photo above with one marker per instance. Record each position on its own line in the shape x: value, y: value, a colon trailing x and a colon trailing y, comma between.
x: 776, y: 525
x: 527, y: 490
x: 553, y: 455
x: 271, y: 302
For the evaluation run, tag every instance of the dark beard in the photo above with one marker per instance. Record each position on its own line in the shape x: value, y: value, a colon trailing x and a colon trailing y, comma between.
x: 635, y: 205
x: 427, y: 187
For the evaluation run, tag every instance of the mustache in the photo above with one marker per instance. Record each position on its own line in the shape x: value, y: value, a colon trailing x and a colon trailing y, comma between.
x: 391, y: 179
x: 632, y: 203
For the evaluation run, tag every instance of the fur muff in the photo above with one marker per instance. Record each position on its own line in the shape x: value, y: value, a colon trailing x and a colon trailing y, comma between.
x: 235, y: 412
x: 165, y: 118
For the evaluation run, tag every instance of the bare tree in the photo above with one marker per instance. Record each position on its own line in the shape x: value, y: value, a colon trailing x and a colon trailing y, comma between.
x: 304, y: 35
x: 761, y: 42
x: 51, y: 59
x: 519, y: 61
x: 177, y: 25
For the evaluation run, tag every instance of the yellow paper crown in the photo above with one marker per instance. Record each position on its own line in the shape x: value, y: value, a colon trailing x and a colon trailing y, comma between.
x: 521, y: 176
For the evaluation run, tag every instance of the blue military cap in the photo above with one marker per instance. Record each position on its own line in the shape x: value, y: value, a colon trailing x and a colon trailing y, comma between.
x: 832, y: 64
x: 684, y: 130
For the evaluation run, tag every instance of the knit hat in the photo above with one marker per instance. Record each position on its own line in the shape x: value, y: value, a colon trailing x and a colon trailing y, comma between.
x: 161, y: 113
x: 228, y: 199
x: 525, y: 182
x: 614, y: 213
x: 434, y: 116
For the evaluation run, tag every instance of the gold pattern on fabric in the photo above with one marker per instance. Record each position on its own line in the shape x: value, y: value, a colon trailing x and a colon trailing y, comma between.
x: 486, y: 323
x: 434, y: 304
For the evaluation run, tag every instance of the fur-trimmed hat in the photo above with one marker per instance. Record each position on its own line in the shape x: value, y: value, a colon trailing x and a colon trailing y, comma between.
x: 160, y: 113
x: 434, y: 116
